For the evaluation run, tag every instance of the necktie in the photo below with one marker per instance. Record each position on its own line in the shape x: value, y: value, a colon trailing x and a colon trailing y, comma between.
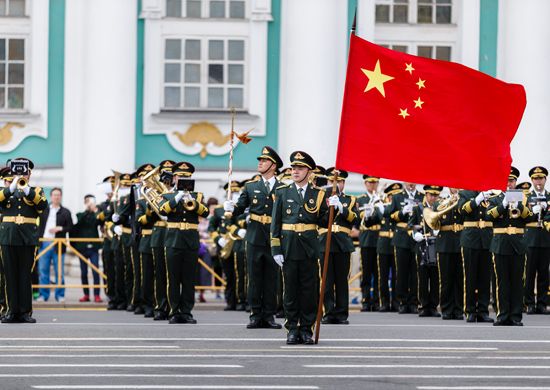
x: 267, y: 186
x: 301, y: 193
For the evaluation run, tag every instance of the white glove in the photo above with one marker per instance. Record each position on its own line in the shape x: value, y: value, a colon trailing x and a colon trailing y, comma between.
x: 380, y: 207
x: 368, y: 213
x: 178, y: 196
x: 13, y: 185
x: 26, y: 190
x: 248, y: 219
x: 228, y: 206
x: 222, y: 242
x: 279, y: 259
x: 480, y: 197
x: 487, y: 194
x: 544, y: 205
x: 335, y: 201
x: 537, y: 209
x: 164, y: 218
x: 418, y: 237
x: 115, y: 217
x: 505, y: 202
x: 436, y: 232
x: 118, y: 230
x: 408, y: 209
x: 241, y: 233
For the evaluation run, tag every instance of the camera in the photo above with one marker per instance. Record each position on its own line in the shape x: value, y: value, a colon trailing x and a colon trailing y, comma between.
x: 186, y: 185
x: 19, y: 167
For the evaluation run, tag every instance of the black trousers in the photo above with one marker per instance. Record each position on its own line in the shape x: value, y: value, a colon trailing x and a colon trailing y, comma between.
x: 407, y: 280
x: 451, y: 283
x: 477, y: 276
x: 108, y: 257
x: 536, y: 269
x: 385, y: 264
x: 136, y: 282
x: 181, y: 267
x: 336, y: 299
x: 120, y: 277
x: 228, y: 266
x: 263, y: 281
x: 2, y: 289
x: 147, y: 281
x: 301, y: 293
x: 239, y: 262
x: 428, y: 286
x: 17, y: 262
x: 509, y: 275
x: 159, y: 287
x: 369, y: 276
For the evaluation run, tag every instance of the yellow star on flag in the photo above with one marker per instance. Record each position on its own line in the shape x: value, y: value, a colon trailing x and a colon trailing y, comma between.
x: 418, y: 103
x: 403, y: 113
x: 420, y: 83
x: 409, y: 68
x: 376, y: 79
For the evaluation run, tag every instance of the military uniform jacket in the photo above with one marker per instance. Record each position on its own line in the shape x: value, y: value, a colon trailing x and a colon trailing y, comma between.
x: 402, y: 237
x: 341, y: 242
x: 417, y: 223
x: 255, y: 197
x: 368, y: 236
x: 219, y: 225
x: 448, y: 241
x: 127, y: 214
x: 85, y: 227
x: 387, y: 227
x: 290, y: 210
x: 536, y: 236
x: 187, y: 238
x: 103, y: 215
x: 473, y: 237
x: 507, y: 244
x: 145, y: 217
x: 18, y: 205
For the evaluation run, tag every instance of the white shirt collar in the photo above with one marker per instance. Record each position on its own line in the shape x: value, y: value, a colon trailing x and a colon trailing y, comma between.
x: 304, y: 187
x: 270, y: 181
x: 411, y: 194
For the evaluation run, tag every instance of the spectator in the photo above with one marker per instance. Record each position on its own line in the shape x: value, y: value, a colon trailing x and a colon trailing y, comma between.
x: 55, y: 222
x: 87, y: 227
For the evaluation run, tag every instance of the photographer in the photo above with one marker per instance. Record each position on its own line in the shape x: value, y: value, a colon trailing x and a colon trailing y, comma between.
x: 86, y: 227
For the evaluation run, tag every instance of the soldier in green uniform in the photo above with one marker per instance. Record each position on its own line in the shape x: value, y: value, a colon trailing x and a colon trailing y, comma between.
x: 368, y: 241
x: 298, y: 211
x: 183, y: 210
x: 103, y: 215
x: 449, y: 261
x: 21, y: 206
x: 263, y: 273
x: 6, y: 178
x: 426, y: 261
x: 385, y: 250
x: 224, y: 231
x: 401, y: 209
x: 158, y: 249
x: 146, y: 220
x: 538, y: 244
x: 475, y: 241
x: 336, y: 299
x: 508, y: 250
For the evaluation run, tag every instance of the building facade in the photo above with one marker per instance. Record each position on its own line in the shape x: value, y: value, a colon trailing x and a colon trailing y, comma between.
x: 90, y: 86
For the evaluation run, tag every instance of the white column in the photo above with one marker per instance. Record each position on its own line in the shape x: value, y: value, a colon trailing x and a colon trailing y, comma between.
x: 100, y: 93
x: 313, y: 62
x: 523, y: 57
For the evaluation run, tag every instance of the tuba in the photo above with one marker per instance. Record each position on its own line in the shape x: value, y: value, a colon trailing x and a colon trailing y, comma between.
x: 433, y: 218
x: 153, y: 189
x: 226, y: 250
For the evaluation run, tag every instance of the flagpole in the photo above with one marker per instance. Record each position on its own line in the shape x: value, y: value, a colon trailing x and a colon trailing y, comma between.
x: 325, y: 260
x: 231, y: 147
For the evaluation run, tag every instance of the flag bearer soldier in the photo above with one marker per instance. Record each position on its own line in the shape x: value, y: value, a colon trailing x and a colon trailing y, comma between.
x: 368, y: 241
x: 285, y: 177
x: 424, y: 236
x: 103, y: 215
x: 123, y: 229
x: 385, y: 250
x: 401, y: 209
x: 183, y: 210
x: 21, y: 206
x: 298, y: 211
x: 475, y: 241
x: 449, y: 262
x: 224, y: 231
x: 336, y: 299
x: 263, y: 273
x: 158, y: 249
x: 537, y: 240
x: 508, y: 248
x: 146, y: 218
x: 6, y: 178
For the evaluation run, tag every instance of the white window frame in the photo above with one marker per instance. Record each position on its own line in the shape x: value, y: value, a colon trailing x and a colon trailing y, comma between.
x: 412, y: 47
x: 7, y: 110
x: 391, y: 4
x: 205, y: 10
x: 204, y: 84
x: 434, y: 6
x: 413, y: 13
x: 26, y: 12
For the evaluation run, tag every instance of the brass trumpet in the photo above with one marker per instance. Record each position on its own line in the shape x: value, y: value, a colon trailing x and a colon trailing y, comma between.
x: 433, y: 218
x: 22, y: 183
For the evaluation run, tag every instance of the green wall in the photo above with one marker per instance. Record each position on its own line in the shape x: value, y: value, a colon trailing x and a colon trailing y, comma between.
x: 488, y: 36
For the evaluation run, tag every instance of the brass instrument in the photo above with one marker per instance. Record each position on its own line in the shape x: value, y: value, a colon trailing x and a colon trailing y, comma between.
x: 153, y: 189
x: 513, y: 210
x: 189, y: 204
x: 492, y: 194
x: 373, y: 201
x: 22, y: 183
x: 116, y: 186
x: 433, y: 218
x: 227, y: 249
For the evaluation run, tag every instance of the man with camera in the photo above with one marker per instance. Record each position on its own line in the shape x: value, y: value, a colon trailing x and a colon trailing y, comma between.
x: 21, y: 206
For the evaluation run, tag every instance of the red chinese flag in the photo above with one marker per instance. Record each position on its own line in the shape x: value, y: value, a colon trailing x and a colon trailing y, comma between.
x: 426, y: 121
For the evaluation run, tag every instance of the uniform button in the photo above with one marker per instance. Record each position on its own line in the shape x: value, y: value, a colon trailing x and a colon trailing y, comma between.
x: 18, y: 207
x: 184, y: 219
x: 266, y: 206
x: 299, y: 234
x: 300, y: 215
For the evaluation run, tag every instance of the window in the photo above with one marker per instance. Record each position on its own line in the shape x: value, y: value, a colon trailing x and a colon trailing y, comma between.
x: 12, y: 7
x: 400, y: 48
x: 434, y: 11
x: 233, y: 9
x: 392, y: 11
x: 437, y: 52
x: 204, y: 73
x: 12, y: 73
